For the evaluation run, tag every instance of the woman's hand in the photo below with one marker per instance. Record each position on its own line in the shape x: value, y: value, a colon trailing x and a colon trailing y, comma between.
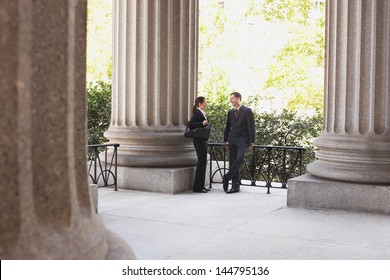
x: 205, y: 122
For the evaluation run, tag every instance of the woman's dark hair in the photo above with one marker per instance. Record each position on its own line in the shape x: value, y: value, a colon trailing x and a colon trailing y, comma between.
x: 198, y: 100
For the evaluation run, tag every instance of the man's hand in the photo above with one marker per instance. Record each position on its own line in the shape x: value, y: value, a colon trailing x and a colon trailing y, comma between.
x: 225, y: 145
x: 250, y: 146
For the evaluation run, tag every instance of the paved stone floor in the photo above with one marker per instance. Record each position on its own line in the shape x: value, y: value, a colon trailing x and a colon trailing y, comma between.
x: 250, y: 225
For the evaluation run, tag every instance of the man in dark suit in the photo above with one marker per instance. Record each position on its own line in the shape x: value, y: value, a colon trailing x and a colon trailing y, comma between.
x: 239, y: 136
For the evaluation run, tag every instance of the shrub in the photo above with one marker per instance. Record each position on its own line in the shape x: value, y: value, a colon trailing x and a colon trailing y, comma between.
x: 99, y: 110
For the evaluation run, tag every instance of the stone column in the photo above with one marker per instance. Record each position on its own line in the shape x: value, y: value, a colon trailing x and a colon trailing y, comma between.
x: 154, y: 86
x: 45, y: 205
x: 353, y: 166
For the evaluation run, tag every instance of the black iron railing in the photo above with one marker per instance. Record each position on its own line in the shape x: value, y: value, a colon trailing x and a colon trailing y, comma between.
x: 103, y: 172
x: 264, y: 166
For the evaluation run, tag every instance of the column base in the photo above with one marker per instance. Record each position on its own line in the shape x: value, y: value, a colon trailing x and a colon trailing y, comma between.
x: 93, y: 190
x: 309, y: 191
x: 163, y: 180
x: 118, y: 249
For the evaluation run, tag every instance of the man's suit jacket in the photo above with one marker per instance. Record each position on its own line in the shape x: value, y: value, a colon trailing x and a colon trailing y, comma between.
x: 240, y: 130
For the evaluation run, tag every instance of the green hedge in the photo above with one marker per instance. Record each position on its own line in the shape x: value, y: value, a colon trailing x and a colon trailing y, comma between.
x: 99, y: 111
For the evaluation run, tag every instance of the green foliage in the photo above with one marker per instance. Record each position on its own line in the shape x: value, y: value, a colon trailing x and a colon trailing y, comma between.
x: 254, y: 9
x: 215, y: 26
x: 298, y: 67
x: 291, y: 11
x: 217, y: 119
x: 298, y: 71
x: 216, y: 88
x: 99, y: 110
x: 289, y: 129
x: 270, y: 50
x: 99, y: 41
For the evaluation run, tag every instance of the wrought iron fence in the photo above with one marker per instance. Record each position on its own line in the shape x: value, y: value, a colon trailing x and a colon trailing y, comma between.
x: 103, y: 172
x: 264, y: 166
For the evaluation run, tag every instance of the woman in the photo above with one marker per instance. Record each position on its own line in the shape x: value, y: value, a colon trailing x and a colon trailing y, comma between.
x: 199, y: 119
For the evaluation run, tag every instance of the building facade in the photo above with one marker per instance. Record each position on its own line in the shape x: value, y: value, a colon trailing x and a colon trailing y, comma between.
x: 45, y: 207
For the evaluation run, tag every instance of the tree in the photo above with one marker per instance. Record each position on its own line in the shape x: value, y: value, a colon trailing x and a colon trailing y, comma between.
x: 99, y: 41
x: 271, y: 51
x: 298, y: 67
x: 292, y: 11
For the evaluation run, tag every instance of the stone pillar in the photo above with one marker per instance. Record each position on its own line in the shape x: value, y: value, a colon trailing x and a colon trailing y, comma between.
x: 45, y: 205
x: 353, y: 167
x: 154, y: 86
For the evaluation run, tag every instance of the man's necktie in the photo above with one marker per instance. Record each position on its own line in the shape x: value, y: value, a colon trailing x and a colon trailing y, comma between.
x: 235, y: 113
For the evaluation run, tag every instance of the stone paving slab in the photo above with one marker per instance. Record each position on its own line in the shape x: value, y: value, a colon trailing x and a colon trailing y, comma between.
x: 247, y: 225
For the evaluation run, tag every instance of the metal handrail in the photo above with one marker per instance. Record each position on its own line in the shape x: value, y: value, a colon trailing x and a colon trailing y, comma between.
x: 102, y: 172
x: 274, y: 164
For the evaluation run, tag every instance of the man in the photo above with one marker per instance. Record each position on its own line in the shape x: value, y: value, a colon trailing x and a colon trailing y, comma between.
x: 239, y: 136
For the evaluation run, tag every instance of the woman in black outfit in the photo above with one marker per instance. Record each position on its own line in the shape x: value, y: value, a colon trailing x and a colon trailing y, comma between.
x: 199, y: 119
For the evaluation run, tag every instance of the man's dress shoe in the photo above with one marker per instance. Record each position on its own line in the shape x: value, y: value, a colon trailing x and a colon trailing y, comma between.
x: 233, y: 190
x: 207, y: 190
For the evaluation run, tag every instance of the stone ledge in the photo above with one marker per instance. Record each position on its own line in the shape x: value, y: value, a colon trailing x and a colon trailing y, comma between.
x: 163, y: 180
x: 312, y: 192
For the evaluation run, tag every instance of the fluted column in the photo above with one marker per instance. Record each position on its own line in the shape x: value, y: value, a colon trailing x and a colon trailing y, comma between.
x: 154, y: 82
x: 355, y: 143
x: 353, y: 167
x: 45, y: 204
